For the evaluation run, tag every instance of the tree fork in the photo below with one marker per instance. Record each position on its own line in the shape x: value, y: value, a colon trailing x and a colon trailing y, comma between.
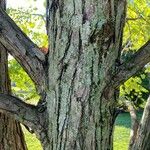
x: 11, y: 137
x: 85, y: 40
x: 31, y: 58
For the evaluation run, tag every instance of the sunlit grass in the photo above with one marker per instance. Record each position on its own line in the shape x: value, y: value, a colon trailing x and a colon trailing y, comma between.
x: 32, y: 141
x: 121, y: 134
x: 122, y: 131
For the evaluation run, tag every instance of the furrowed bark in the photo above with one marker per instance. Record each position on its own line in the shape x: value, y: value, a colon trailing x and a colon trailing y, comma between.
x: 26, y: 114
x: 11, y: 135
x: 143, y: 135
x: 21, y: 111
x: 85, y: 41
x: 133, y: 65
x: 3, y: 4
x: 23, y: 50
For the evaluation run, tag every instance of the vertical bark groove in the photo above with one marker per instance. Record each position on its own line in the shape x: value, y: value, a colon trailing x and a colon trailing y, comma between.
x: 85, y: 40
x: 11, y: 137
x: 84, y: 46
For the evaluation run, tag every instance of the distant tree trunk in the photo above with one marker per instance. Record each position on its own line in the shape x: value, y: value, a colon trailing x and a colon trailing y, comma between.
x: 143, y: 134
x: 134, y: 123
x: 11, y: 135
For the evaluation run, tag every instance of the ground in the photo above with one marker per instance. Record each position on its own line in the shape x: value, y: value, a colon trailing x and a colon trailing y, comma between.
x: 121, y: 135
x: 122, y: 132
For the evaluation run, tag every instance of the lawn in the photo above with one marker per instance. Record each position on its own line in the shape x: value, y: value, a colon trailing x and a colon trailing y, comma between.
x: 121, y: 135
x: 32, y: 141
x: 122, y: 132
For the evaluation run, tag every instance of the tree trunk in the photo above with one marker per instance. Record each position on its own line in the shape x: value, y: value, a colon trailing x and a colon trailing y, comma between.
x: 143, y: 134
x: 85, y: 41
x: 11, y: 135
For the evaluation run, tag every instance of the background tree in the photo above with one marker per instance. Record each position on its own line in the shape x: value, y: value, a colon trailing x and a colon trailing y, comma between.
x: 136, y: 89
x: 136, y: 32
x: 11, y: 137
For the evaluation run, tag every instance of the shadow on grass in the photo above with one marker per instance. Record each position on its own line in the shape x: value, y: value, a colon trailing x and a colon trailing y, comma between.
x: 124, y: 119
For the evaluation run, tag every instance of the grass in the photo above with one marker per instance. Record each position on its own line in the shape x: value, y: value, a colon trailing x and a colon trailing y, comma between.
x: 32, y: 141
x: 122, y: 131
x: 121, y: 134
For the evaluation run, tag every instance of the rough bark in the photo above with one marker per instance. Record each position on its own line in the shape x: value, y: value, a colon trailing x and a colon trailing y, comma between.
x: 23, y: 112
x: 11, y: 135
x: 26, y: 114
x: 80, y: 78
x: 143, y: 134
x: 85, y: 42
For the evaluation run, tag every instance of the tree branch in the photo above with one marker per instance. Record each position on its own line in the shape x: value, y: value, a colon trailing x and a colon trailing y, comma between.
x: 133, y: 19
x: 22, y: 49
x: 132, y: 66
x: 26, y: 114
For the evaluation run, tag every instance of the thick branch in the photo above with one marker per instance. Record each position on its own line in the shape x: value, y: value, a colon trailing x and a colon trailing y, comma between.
x: 23, y: 49
x: 132, y: 66
x: 21, y: 111
x: 5, y: 86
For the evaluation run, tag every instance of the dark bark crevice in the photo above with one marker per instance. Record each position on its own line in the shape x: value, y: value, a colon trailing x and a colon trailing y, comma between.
x: 11, y: 135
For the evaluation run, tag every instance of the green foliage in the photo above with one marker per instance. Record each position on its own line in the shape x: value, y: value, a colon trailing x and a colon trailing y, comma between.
x: 136, y: 33
x: 136, y: 89
x: 22, y: 85
x: 137, y: 29
x: 31, y: 140
x: 34, y: 26
x: 31, y: 23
